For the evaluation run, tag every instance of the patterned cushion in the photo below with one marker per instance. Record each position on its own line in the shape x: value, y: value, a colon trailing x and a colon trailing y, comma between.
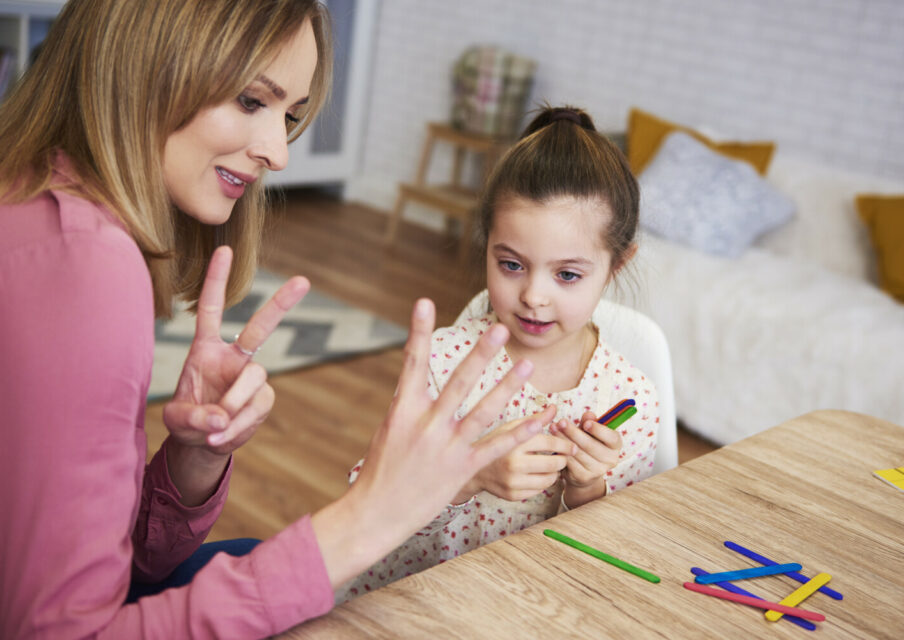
x: 693, y: 195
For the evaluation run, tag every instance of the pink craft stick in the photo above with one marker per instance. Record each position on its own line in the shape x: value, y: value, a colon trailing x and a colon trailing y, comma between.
x: 755, y: 602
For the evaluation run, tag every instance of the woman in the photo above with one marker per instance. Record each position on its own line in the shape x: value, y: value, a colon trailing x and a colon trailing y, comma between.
x: 133, y: 152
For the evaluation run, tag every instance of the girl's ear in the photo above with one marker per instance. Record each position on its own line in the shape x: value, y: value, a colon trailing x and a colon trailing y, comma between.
x: 627, y: 256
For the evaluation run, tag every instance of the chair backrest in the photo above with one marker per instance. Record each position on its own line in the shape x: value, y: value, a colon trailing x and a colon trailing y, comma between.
x: 642, y: 342
x: 638, y: 338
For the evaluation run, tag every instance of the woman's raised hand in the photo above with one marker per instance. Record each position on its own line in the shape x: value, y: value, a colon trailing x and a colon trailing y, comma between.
x: 222, y: 395
x: 421, y: 455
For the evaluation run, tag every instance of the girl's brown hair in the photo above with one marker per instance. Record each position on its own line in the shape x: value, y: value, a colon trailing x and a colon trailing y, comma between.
x: 113, y: 80
x: 560, y: 153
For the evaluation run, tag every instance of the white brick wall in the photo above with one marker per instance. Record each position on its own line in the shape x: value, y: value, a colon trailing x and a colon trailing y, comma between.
x: 823, y: 78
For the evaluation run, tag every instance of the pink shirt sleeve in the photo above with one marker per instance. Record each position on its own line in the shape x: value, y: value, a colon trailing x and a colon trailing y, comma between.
x: 78, y: 503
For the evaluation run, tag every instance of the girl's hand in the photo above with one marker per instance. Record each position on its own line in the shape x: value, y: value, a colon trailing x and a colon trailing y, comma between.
x: 527, y: 470
x: 222, y: 395
x: 421, y: 455
x: 598, y: 448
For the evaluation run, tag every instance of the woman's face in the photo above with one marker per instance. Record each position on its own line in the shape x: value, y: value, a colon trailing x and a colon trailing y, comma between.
x: 208, y: 162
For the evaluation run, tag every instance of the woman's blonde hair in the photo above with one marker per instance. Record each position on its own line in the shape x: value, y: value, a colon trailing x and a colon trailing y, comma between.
x: 113, y: 80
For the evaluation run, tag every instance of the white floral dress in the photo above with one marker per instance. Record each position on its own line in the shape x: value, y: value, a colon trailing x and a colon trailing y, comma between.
x: 608, y: 379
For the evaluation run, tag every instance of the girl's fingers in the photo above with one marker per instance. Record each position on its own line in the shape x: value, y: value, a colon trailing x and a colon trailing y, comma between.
x: 267, y: 318
x: 540, y: 464
x: 500, y: 443
x: 248, y: 417
x: 417, y: 351
x: 213, y: 295
x: 250, y: 380
x: 468, y: 372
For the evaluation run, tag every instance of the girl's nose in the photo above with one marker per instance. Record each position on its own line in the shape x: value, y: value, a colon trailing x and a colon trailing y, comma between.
x: 533, y: 295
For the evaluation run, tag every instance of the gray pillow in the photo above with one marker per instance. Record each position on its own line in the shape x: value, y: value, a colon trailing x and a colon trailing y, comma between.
x: 695, y: 196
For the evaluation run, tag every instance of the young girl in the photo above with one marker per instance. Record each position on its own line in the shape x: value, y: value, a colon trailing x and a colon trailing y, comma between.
x: 556, y: 223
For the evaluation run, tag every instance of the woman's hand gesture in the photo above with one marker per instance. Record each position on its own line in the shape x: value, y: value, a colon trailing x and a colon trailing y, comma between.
x: 421, y: 455
x: 222, y: 395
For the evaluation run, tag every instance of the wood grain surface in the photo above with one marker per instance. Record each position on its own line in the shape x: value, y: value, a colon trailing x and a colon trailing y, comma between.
x: 802, y: 491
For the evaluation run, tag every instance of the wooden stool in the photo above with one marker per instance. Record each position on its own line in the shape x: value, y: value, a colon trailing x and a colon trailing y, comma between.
x: 455, y: 200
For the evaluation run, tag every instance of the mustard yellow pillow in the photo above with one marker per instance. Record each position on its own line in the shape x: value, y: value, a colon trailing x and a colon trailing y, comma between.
x: 646, y: 132
x: 884, y: 217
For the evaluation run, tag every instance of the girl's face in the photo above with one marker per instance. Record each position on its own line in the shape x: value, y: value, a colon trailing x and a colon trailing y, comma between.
x: 546, y: 270
x: 208, y: 162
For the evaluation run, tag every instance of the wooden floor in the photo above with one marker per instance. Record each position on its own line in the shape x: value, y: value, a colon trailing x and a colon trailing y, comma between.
x: 324, y: 415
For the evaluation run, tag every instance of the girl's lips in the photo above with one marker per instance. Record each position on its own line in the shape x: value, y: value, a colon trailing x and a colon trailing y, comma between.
x: 534, y: 327
x: 232, y: 183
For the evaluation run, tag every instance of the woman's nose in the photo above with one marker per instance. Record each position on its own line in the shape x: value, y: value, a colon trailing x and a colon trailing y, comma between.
x: 271, y: 148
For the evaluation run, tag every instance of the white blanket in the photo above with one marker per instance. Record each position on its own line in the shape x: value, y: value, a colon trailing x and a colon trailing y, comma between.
x: 764, y: 338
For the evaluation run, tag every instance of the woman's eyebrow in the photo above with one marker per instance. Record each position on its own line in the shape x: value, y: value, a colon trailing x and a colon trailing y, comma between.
x: 277, y: 90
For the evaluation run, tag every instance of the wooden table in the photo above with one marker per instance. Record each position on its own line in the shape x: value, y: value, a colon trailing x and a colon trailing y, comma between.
x: 802, y: 491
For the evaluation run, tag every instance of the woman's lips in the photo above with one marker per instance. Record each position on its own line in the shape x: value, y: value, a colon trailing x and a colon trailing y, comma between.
x: 535, y: 327
x: 233, y: 183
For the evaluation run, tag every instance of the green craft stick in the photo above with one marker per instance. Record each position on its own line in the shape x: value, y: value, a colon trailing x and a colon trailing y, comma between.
x: 596, y: 553
x: 618, y: 420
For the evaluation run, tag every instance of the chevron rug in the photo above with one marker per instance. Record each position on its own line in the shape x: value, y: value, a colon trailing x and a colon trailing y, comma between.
x: 317, y: 329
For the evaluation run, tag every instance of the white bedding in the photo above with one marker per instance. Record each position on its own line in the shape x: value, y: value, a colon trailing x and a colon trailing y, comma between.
x: 764, y: 338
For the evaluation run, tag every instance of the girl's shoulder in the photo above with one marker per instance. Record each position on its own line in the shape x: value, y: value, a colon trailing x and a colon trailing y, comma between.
x: 450, y: 345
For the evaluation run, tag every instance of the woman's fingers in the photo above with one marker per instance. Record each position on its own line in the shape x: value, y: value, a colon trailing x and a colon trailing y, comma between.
x: 413, y: 378
x: 213, y: 295
x: 243, y: 423
x: 468, y: 372
x: 192, y: 422
x: 267, y: 318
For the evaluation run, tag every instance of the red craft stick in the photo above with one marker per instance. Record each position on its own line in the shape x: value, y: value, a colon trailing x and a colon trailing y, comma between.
x: 755, y: 602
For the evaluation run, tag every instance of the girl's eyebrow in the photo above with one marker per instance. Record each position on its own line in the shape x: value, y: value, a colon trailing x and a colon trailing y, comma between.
x: 277, y: 90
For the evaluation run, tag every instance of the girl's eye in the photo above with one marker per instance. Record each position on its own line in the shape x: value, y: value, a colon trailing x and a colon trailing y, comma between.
x: 249, y: 104
x: 509, y: 265
x: 569, y: 276
x: 292, y: 120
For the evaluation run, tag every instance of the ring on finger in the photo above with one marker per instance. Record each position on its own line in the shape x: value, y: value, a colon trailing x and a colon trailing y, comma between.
x: 241, y: 349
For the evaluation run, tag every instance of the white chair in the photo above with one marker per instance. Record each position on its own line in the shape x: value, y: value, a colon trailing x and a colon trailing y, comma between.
x: 642, y: 342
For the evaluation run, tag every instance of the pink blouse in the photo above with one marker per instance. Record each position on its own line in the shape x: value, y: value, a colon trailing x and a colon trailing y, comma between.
x: 81, y: 513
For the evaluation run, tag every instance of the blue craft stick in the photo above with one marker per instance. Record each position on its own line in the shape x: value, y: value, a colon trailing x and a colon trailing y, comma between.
x: 734, y: 546
x: 800, y: 622
x: 752, y: 572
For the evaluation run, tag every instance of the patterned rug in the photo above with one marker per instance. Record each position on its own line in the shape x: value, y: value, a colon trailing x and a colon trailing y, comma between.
x: 315, y: 330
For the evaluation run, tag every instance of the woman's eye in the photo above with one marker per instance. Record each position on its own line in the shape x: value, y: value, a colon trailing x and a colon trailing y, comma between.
x: 249, y: 104
x: 569, y: 276
x: 292, y: 119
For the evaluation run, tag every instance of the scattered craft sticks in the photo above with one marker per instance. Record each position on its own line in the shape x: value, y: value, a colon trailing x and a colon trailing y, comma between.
x: 744, y: 574
x: 596, y: 553
x: 734, y: 546
x: 799, y: 595
x: 800, y: 622
x: 754, y: 602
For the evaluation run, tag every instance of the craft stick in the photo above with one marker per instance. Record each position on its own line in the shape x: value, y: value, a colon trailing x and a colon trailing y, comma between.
x: 617, y: 408
x: 800, y: 594
x: 800, y: 622
x: 734, y: 546
x: 596, y: 553
x: 616, y: 422
x: 754, y: 602
x: 744, y: 574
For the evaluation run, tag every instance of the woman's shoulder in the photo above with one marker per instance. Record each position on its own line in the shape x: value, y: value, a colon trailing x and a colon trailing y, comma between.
x: 59, y: 217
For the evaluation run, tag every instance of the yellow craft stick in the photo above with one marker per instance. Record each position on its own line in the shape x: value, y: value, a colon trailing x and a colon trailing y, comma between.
x: 800, y: 594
